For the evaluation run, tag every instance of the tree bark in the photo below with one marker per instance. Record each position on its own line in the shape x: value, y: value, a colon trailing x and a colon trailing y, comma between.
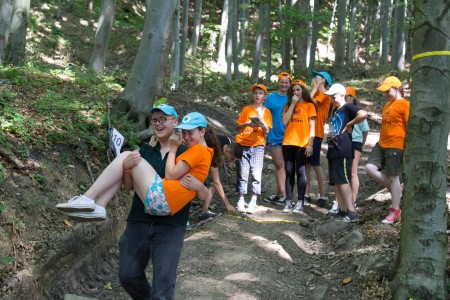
x: 385, y: 9
x: 147, y: 75
x: 175, y: 78
x: 331, y: 29
x: 398, y: 43
x: 423, y: 237
x: 268, y: 43
x: 15, y: 48
x: 314, y: 35
x: 221, y: 61
x: 234, y: 39
x: 351, y: 32
x: 243, y: 19
x: 102, y: 35
x: 229, y: 44
x: 340, y: 37
x: 6, y: 10
x: 258, y: 44
x: 301, y: 36
x: 184, y: 33
x: 196, y: 30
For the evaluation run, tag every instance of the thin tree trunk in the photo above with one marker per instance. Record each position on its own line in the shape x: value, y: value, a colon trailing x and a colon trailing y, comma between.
x: 230, y: 41
x: 301, y: 36
x: 366, y: 39
x: 90, y: 5
x: 314, y: 34
x: 258, y: 45
x: 268, y: 43
x: 385, y: 8
x: 196, y: 30
x: 398, y: 43
x: 352, y: 29
x: 223, y: 35
x: 331, y: 29
x: 243, y: 19
x: 234, y: 38
x: 102, y: 35
x: 15, y: 48
x: 423, y: 237
x: 184, y: 33
x: 340, y: 36
x: 6, y: 10
x: 175, y: 78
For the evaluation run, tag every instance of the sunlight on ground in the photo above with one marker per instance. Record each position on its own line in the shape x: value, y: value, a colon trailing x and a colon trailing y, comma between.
x: 309, y: 247
x: 271, y: 246
x: 242, y: 277
x: 199, y: 235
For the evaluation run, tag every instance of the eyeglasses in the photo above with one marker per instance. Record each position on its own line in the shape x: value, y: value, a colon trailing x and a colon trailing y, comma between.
x: 161, y: 120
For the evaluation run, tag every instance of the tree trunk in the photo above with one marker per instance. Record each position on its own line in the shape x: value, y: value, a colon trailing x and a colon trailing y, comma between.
x: 234, y: 39
x: 15, y: 48
x: 196, y: 30
x: 258, y: 44
x: 285, y: 58
x: 90, y: 5
x: 385, y: 8
x: 184, y: 33
x: 314, y: 35
x: 243, y: 19
x: 6, y: 10
x: 147, y: 75
x: 340, y: 37
x: 351, y: 34
x: 102, y: 35
x: 366, y: 37
x: 398, y: 43
x: 230, y: 41
x: 423, y: 238
x: 301, y: 36
x: 223, y: 35
x: 175, y: 78
x: 268, y: 43
x: 331, y: 29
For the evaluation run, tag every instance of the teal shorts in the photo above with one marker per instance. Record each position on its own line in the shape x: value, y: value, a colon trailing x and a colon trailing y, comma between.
x: 155, y: 203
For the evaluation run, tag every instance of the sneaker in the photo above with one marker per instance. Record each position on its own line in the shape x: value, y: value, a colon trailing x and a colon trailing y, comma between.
x: 271, y: 199
x: 287, y: 206
x: 99, y: 214
x: 340, y: 214
x: 298, y: 207
x: 252, y: 207
x: 322, y: 201
x: 351, y: 216
x: 306, y: 200
x: 241, y: 207
x: 335, y: 208
x: 188, y: 226
x: 394, y: 215
x: 208, y: 215
x: 280, y: 201
x: 77, y: 204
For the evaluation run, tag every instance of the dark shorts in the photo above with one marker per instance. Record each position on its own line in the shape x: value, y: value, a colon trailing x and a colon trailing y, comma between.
x: 340, y: 170
x: 357, y: 146
x: 314, y: 159
x: 388, y: 159
x: 273, y: 146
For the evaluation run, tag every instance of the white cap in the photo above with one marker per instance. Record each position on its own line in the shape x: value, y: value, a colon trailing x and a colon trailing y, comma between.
x: 336, y: 88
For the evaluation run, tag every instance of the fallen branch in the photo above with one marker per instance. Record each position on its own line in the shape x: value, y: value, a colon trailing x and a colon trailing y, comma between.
x: 89, y: 167
x: 12, y: 158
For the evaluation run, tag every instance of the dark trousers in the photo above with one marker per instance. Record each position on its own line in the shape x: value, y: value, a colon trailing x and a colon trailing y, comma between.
x: 140, y: 242
x: 295, y: 164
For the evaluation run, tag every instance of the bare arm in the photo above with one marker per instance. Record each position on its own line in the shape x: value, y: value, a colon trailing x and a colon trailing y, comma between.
x: 360, y: 116
x: 191, y: 183
x: 312, y: 133
x: 129, y: 163
x: 219, y: 188
x: 175, y: 170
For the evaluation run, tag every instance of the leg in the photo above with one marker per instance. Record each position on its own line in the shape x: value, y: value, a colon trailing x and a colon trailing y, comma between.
x: 300, y: 165
x: 355, y: 178
x: 289, y: 163
x: 256, y: 165
x: 320, y: 180
x: 207, y: 202
x: 396, y: 193
x: 347, y: 196
x: 280, y: 173
x: 374, y: 172
x: 243, y: 171
x: 308, y: 176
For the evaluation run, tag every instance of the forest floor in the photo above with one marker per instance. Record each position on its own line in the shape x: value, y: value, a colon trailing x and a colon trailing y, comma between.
x: 265, y: 255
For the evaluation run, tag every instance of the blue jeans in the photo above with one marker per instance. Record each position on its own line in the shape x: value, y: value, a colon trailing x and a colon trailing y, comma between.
x: 140, y: 242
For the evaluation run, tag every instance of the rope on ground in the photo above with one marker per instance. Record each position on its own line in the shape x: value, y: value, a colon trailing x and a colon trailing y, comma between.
x: 264, y: 221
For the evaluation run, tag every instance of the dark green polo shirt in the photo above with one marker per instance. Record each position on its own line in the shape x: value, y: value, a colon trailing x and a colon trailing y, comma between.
x: 137, y: 214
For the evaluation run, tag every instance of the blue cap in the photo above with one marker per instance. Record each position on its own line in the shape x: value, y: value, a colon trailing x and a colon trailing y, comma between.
x: 167, y: 109
x: 193, y: 120
x: 324, y: 75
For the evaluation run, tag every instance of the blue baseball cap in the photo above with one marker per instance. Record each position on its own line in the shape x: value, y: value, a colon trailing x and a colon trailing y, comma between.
x: 167, y: 109
x: 325, y: 75
x: 193, y: 120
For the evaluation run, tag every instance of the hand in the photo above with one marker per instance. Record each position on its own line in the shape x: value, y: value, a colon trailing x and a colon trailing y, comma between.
x: 132, y: 160
x: 347, y: 128
x: 309, y: 151
x: 295, y: 99
x: 191, y: 183
x: 175, y: 140
x: 153, y: 141
x: 231, y: 209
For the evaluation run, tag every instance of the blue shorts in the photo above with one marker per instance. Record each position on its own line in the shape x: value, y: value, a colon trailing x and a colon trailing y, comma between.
x: 273, y: 146
x: 314, y: 159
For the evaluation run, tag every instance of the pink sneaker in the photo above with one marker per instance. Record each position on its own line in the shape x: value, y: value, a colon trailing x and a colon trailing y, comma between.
x: 394, y: 215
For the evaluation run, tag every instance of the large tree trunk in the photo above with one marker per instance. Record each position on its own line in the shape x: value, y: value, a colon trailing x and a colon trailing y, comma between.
x: 234, y: 39
x: 6, y: 10
x: 15, y: 48
x: 243, y: 20
x: 330, y: 31
x: 398, y: 43
x: 351, y: 32
x: 196, y: 29
x: 368, y: 26
x: 230, y: 41
x: 423, y: 238
x: 184, y: 32
x: 301, y: 36
x: 223, y: 35
x: 340, y: 37
x: 102, y: 35
x: 175, y: 78
x: 268, y: 43
x: 259, y: 44
x: 147, y: 75
x: 314, y: 34
x: 385, y: 9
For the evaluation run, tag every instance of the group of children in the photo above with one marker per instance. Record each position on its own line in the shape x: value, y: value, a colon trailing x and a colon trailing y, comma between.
x: 291, y: 124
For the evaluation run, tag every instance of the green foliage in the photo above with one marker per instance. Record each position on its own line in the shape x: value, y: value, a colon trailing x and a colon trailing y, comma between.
x: 7, y: 259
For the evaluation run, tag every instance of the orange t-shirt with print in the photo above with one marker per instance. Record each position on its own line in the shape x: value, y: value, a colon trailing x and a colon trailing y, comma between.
x: 297, y: 130
x: 199, y: 158
x: 323, y: 107
x: 393, y: 128
x: 252, y: 136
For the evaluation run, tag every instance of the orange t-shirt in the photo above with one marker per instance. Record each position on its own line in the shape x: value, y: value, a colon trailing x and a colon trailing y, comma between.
x: 252, y: 136
x: 393, y: 128
x: 199, y: 158
x: 323, y: 106
x: 297, y: 130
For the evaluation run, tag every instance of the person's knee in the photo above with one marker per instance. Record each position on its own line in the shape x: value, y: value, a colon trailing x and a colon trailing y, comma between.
x: 370, y: 169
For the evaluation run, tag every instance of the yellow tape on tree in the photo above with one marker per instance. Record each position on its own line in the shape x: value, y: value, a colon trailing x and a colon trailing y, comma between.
x: 431, y: 53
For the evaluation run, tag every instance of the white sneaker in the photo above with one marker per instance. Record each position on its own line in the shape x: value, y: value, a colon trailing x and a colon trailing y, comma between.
x: 241, y: 206
x: 298, y: 207
x: 77, y: 204
x: 252, y: 207
x: 288, y: 206
x: 99, y: 214
x: 335, y: 208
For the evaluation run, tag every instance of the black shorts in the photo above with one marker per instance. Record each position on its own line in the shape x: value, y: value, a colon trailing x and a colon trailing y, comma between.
x: 357, y: 146
x: 340, y: 170
x: 314, y: 159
